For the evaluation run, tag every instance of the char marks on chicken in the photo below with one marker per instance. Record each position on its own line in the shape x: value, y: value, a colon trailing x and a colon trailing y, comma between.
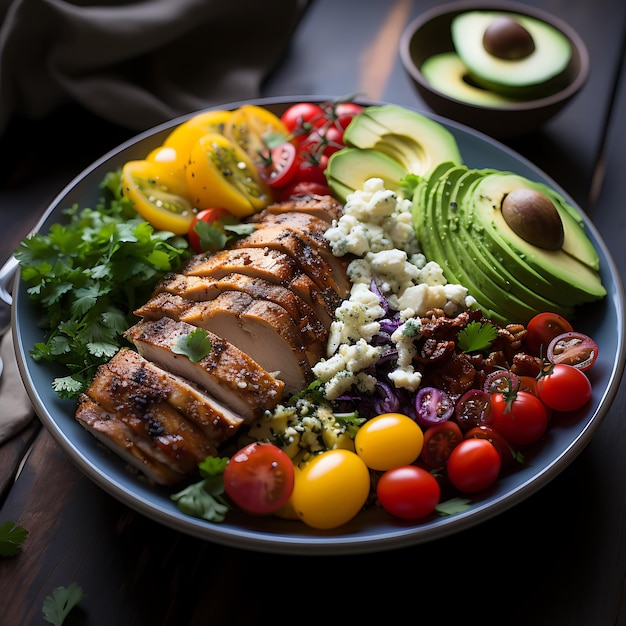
x: 266, y: 304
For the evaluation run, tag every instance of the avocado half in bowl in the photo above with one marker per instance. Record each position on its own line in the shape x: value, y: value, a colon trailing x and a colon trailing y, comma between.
x: 502, y: 68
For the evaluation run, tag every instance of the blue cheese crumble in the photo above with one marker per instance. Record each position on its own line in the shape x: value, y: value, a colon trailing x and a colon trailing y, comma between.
x: 377, y: 228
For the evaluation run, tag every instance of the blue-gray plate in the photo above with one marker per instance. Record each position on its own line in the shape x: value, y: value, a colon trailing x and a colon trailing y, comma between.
x: 372, y: 530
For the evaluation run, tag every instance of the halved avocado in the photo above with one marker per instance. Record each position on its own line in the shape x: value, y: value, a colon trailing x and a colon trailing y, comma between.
x: 447, y: 73
x: 348, y: 169
x: 417, y: 142
x: 539, y: 73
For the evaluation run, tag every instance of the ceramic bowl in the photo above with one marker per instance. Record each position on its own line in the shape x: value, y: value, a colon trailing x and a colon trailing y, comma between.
x: 430, y: 33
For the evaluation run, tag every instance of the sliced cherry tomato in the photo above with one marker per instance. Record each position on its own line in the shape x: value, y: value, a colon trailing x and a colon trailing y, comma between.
x: 304, y: 187
x: 542, y: 328
x: 520, y: 418
x: 170, y: 170
x: 573, y: 348
x: 158, y: 205
x: 432, y: 406
x: 439, y: 441
x: 259, y: 478
x: 220, y: 173
x: 472, y: 409
x: 474, y: 465
x: 506, y: 452
x: 564, y: 387
x: 251, y: 126
x: 501, y: 381
x: 303, y: 117
x: 281, y: 165
x: 408, y: 492
x: 206, y: 232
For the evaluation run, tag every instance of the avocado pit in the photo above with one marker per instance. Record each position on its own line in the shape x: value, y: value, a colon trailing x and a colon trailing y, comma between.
x: 506, y: 38
x: 532, y: 216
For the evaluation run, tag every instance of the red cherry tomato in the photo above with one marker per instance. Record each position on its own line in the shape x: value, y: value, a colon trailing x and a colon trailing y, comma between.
x: 259, y: 478
x: 345, y: 111
x: 564, y: 388
x: 522, y: 419
x: 281, y: 166
x: 304, y: 187
x: 573, y: 348
x: 439, y: 441
x: 303, y: 117
x: 528, y: 383
x: 502, y: 381
x: 473, y: 408
x: 542, y: 328
x: 432, y: 406
x: 507, y: 454
x: 408, y: 492
x: 311, y: 168
x: 474, y: 465
x: 206, y: 230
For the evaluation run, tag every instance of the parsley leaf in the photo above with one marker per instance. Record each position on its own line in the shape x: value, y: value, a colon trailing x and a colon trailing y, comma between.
x: 57, y: 606
x: 12, y: 537
x: 477, y: 336
x: 196, y: 345
x: 453, y: 506
x: 88, y: 275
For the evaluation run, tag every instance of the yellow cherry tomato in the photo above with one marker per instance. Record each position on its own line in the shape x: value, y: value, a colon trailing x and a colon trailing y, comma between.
x: 389, y: 440
x: 158, y: 205
x: 250, y: 126
x: 220, y: 173
x: 330, y: 489
x: 185, y: 135
x: 169, y: 170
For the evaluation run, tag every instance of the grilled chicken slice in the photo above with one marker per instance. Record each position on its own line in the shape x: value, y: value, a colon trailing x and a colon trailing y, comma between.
x: 260, y: 328
x: 184, y: 443
x: 271, y: 265
x: 200, y: 288
x: 140, y: 376
x: 113, y: 430
x: 314, y: 258
x: 227, y: 373
x: 323, y: 207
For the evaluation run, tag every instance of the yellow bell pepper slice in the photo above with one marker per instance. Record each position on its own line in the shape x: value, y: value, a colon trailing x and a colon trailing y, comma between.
x: 220, y: 174
x: 153, y: 200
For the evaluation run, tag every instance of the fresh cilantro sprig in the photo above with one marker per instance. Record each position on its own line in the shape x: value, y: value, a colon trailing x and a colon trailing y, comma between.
x: 196, y: 345
x: 57, y: 606
x: 88, y: 275
x: 12, y: 536
x: 477, y: 336
x: 204, y: 499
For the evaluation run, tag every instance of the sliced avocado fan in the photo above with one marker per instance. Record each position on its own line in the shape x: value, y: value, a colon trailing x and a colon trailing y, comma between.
x: 458, y: 219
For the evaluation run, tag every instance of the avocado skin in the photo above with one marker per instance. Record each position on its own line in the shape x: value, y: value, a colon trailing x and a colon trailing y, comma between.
x: 459, y: 224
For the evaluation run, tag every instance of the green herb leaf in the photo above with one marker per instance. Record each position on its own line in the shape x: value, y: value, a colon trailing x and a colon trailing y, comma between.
x: 88, y: 275
x: 477, y: 336
x: 453, y: 506
x: 12, y: 537
x: 57, y: 606
x: 204, y: 499
x: 212, y: 466
x: 196, y: 345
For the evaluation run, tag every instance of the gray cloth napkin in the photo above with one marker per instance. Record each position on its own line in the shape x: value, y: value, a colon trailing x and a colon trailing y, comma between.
x: 16, y: 411
x: 138, y: 63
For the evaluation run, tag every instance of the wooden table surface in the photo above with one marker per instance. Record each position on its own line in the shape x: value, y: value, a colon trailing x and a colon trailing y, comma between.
x: 558, y: 558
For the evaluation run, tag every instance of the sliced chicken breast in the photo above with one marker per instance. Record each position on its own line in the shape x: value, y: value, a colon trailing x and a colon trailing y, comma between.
x: 227, y: 373
x: 323, y: 207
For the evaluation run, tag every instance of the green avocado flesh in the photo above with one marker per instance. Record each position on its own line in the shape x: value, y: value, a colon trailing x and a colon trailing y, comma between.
x: 388, y: 142
x: 536, y: 75
x: 459, y: 223
x: 449, y: 75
